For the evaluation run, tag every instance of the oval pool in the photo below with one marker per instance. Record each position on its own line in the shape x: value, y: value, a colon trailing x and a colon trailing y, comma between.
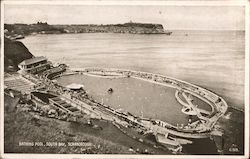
x: 138, y: 97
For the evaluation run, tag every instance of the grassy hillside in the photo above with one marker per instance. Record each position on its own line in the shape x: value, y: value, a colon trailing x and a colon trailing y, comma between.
x: 101, y: 137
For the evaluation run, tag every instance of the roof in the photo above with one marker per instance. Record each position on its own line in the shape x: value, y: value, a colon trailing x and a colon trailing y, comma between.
x: 33, y: 60
x: 75, y: 86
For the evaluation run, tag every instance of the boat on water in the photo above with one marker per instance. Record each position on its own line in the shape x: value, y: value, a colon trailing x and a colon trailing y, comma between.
x: 110, y: 90
x: 188, y: 111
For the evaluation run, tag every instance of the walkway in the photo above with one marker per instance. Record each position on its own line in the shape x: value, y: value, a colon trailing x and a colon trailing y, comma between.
x: 19, y: 83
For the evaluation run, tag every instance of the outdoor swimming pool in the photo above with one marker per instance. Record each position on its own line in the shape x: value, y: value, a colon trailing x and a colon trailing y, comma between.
x: 138, y: 97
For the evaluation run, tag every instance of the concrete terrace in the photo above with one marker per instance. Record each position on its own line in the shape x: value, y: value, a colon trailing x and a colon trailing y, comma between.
x: 217, y: 103
x: 75, y: 105
x: 17, y: 82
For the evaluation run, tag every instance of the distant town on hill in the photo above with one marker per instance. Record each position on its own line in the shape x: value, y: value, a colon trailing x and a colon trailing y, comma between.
x: 19, y: 30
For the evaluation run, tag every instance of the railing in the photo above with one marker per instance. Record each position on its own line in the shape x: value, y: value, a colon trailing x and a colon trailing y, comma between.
x: 178, y: 84
x: 203, y: 94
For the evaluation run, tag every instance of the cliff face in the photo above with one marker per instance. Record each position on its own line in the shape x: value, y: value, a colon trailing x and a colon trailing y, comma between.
x: 132, y: 28
x: 14, y: 53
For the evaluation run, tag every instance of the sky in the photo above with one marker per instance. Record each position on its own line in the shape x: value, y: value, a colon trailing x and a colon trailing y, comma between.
x: 171, y: 17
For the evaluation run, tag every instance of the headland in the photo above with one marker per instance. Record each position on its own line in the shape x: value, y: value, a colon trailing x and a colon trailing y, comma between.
x: 19, y: 31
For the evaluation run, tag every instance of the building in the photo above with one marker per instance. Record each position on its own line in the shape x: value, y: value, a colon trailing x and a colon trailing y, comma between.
x: 34, y: 65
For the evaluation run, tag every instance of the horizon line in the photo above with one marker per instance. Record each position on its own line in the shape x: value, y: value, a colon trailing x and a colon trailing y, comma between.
x: 187, y: 29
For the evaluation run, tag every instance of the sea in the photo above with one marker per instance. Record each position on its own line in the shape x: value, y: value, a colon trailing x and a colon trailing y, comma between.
x: 211, y: 59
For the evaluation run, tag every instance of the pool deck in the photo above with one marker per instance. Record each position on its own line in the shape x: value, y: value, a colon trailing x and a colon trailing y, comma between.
x: 202, y: 128
x: 217, y: 103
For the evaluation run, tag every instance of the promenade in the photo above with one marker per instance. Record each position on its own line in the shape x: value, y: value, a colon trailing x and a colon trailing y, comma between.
x: 77, y: 103
x: 207, y: 119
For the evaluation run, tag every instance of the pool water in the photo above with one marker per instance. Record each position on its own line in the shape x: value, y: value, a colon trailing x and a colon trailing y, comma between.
x: 138, y: 97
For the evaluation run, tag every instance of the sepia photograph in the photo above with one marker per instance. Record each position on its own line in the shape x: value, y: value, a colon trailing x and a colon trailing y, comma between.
x: 134, y: 79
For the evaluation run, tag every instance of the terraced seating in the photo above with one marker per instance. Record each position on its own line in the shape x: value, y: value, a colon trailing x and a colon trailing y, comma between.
x: 57, y: 101
x: 18, y: 83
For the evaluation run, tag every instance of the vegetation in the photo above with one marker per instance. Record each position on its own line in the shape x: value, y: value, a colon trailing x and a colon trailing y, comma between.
x: 21, y: 125
x: 13, y: 30
x: 25, y: 29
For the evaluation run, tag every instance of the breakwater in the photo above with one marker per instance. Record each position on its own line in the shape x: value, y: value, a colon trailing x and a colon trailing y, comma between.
x: 200, y: 92
x: 198, y: 129
x: 201, y: 128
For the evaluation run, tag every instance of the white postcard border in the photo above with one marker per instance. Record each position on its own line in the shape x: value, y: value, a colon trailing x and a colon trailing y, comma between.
x: 244, y: 3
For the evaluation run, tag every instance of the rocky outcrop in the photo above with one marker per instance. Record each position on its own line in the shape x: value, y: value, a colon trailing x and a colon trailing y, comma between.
x: 14, y: 53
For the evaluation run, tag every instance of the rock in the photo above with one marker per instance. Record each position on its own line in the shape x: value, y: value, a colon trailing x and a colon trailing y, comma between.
x: 14, y: 53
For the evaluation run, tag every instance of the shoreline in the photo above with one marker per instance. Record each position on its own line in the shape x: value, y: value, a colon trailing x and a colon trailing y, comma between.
x: 158, y: 75
x: 221, y: 107
x: 179, y: 85
x: 202, y: 130
x: 17, y: 31
x: 229, y: 106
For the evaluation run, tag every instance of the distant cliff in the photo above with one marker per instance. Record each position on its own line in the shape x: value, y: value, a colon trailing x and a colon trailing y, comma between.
x: 18, y: 30
x: 132, y: 28
x: 14, y: 53
x: 15, y: 31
